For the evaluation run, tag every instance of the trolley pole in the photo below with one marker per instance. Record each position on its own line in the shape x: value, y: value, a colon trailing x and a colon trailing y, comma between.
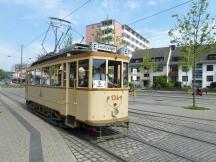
x: 21, y: 64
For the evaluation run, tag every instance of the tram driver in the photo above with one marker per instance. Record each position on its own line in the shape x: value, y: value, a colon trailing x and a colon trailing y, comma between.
x: 100, y: 75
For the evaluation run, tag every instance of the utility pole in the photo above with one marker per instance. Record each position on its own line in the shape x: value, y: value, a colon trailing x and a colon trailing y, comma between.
x: 21, y: 64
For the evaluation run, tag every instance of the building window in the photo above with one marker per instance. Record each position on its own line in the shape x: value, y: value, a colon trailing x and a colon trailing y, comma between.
x: 209, y: 78
x: 198, y: 73
x: 212, y: 57
x: 138, y: 70
x: 159, y: 68
x: 138, y: 78
x: 209, y: 67
x: 146, y: 75
x: 159, y: 59
x: 175, y: 59
x: 199, y: 66
x: 184, y: 78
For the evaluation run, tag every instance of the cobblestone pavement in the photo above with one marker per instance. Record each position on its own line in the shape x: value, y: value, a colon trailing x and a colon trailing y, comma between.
x: 156, y: 136
x: 15, y: 143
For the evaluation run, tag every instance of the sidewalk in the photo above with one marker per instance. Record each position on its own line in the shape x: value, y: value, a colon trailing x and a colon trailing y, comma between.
x: 25, y: 137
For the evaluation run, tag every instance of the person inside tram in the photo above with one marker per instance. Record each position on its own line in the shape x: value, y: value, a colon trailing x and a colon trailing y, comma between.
x: 83, y: 82
x: 100, y: 74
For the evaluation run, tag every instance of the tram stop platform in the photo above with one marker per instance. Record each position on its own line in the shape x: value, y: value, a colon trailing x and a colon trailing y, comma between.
x: 25, y: 137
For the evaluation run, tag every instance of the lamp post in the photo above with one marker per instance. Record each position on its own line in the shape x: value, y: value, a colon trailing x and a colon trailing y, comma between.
x: 21, y: 64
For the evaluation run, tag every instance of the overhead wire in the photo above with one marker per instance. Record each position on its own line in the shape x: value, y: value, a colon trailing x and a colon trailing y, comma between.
x: 160, y: 12
x: 41, y: 34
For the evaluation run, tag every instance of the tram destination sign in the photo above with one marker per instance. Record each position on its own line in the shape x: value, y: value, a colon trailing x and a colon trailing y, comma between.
x: 102, y: 47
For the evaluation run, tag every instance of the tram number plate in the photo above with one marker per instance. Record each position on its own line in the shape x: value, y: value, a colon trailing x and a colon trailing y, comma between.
x: 99, y: 84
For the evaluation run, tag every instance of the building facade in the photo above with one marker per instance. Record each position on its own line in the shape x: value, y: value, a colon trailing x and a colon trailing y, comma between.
x: 167, y: 62
x: 112, y: 32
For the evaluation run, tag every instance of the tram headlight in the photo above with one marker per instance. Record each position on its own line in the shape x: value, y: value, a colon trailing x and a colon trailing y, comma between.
x: 115, y: 112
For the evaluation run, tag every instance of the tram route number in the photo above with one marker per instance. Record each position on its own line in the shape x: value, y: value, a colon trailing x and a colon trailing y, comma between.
x: 114, y: 100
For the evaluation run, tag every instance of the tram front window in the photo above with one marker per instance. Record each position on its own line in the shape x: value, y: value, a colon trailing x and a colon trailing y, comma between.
x: 99, y: 76
x: 83, y: 73
x: 114, y: 74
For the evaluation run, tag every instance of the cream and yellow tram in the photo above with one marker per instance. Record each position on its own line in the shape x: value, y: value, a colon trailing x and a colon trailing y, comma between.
x: 80, y: 87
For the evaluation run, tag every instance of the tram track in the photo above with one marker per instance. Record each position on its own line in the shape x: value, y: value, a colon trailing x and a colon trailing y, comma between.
x: 174, y: 133
x: 172, y: 121
x: 102, y: 146
x: 172, y: 115
x: 107, y: 151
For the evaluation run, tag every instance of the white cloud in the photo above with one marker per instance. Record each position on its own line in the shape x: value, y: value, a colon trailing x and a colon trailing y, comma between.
x: 132, y: 4
x: 152, y: 2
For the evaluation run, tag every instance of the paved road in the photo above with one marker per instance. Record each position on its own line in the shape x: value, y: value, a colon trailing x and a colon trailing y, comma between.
x: 161, y: 130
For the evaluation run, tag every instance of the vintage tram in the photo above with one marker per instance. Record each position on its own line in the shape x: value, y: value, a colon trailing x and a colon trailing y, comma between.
x: 80, y: 86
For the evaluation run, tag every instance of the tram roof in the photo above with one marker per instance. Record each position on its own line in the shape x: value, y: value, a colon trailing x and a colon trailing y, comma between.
x: 75, y: 49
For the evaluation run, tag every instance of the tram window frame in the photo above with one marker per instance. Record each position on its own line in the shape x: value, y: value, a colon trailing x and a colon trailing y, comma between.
x: 72, y: 77
x: 64, y: 73
x: 115, y: 80
x: 39, y: 76
x: 56, y: 75
x: 99, y: 78
x: 48, y: 76
x: 125, y: 75
x: 83, y: 72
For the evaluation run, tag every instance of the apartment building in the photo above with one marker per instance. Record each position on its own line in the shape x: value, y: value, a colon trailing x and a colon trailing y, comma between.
x: 112, y: 32
x: 167, y: 60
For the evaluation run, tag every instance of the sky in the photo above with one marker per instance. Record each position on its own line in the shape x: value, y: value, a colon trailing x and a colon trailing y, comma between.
x: 24, y: 22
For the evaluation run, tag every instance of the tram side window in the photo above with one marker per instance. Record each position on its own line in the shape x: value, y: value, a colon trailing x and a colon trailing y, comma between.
x: 99, y: 76
x: 45, y: 78
x: 72, y: 73
x: 37, y: 78
x: 125, y: 75
x: 31, y: 77
x: 56, y: 75
x: 83, y: 73
x: 114, y: 74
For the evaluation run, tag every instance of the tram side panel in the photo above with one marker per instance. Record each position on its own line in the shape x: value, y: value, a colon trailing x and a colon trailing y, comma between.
x: 53, y: 98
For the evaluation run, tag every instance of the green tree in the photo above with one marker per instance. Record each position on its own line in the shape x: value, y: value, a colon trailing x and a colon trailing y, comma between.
x: 196, y: 32
x: 186, y: 60
x: 69, y: 41
x: 2, y: 74
x: 148, y: 63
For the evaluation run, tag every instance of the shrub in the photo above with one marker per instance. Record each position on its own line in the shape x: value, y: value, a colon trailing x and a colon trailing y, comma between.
x: 177, y: 84
x: 160, y: 82
x: 170, y: 85
x: 213, y: 85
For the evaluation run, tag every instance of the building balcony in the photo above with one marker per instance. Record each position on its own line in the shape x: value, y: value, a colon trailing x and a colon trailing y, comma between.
x: 107, y: 27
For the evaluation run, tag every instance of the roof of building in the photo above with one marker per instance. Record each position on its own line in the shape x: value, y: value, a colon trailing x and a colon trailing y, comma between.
x: 164, y: 51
